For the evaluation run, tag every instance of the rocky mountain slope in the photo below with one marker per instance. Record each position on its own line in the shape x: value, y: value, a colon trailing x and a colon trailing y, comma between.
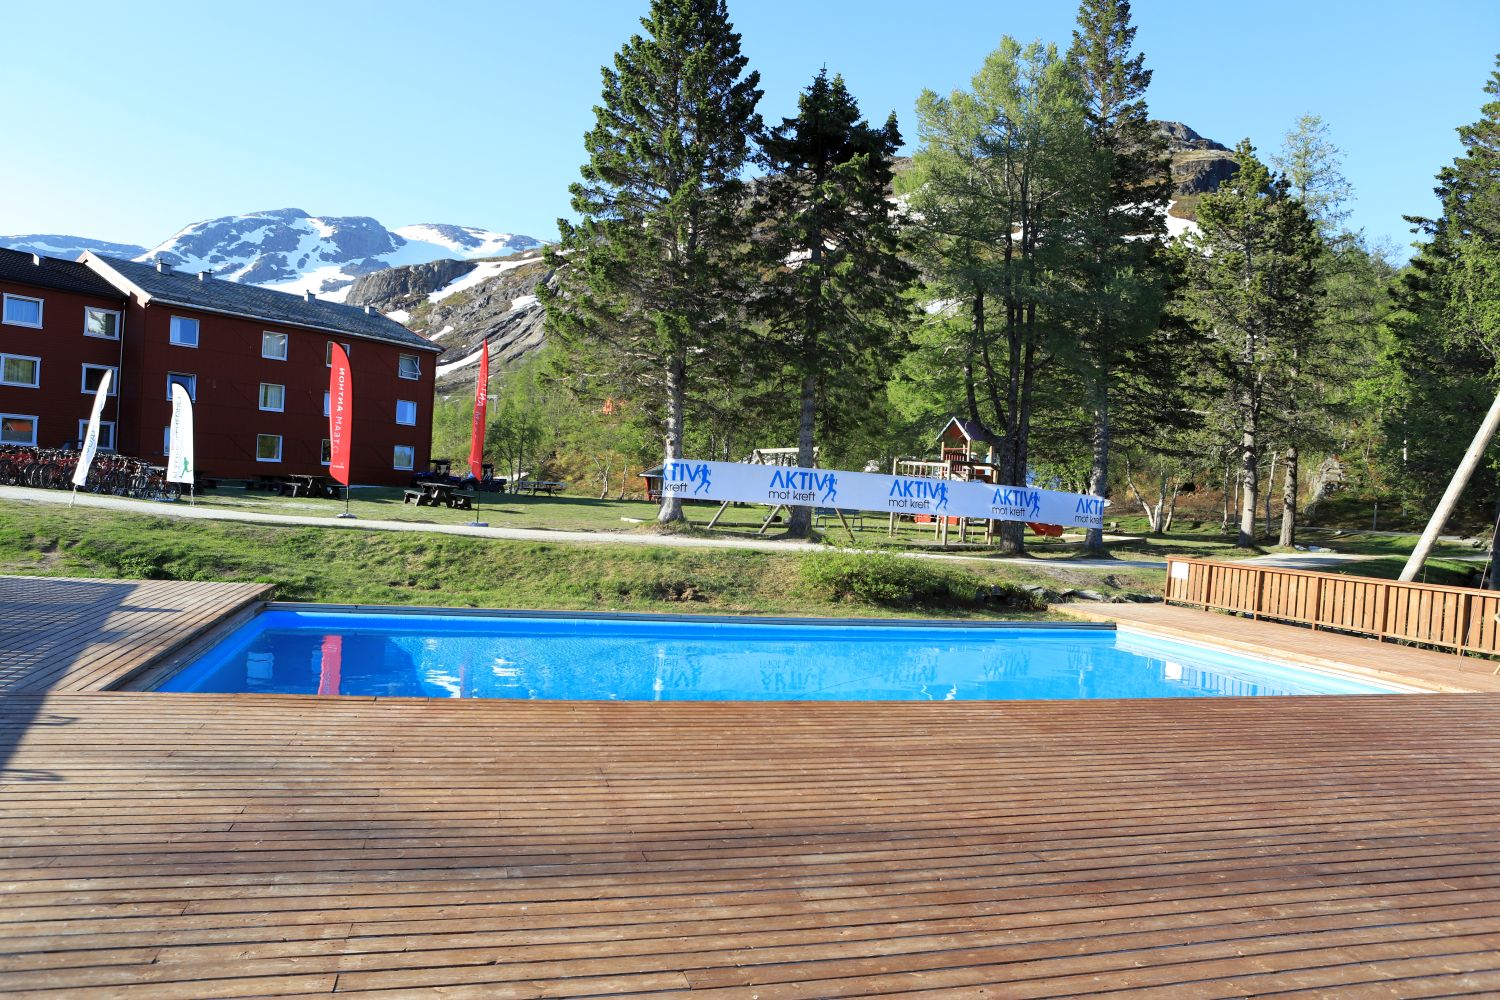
x: 292, y: 251
x: 462, y: 305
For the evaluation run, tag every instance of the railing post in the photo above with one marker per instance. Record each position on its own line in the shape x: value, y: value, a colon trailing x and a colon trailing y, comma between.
x: 1466, y: 610
x: 1208, y: 584
x: 1317, y: 601
x: 1260, y: 591
x: 1381, y: 603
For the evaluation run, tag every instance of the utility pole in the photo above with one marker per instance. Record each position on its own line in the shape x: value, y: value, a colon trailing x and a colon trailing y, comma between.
x: 1455, y: 489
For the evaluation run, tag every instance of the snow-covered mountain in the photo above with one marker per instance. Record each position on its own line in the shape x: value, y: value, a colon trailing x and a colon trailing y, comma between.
x: 291, y: 251
x: 68, y: 247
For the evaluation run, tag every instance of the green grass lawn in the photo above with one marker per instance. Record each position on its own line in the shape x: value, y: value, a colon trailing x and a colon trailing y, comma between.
x: 387, y: 567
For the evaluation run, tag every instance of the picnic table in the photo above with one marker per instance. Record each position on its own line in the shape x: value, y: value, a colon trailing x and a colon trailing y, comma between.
x: 298, y: 484
x: 431, y: 494
x: 535, y: 486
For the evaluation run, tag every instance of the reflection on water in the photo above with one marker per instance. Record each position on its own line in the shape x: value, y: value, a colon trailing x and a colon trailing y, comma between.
x: 436, y: 657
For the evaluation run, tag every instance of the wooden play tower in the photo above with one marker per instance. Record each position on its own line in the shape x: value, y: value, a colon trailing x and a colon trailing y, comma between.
x: 965, y: 454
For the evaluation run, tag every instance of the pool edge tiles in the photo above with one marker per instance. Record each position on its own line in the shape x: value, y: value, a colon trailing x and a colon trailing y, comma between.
x: 559, y: 656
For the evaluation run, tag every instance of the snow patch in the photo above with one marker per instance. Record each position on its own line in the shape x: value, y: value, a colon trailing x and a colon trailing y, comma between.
x: 443, y: 332
x: 399, y: 315
x: 483, y: 272
x: 522, y: 302
x: 472, y: 359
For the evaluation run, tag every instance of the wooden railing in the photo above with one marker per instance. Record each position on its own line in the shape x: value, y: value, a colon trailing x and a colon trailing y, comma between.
x: 1456, y: 618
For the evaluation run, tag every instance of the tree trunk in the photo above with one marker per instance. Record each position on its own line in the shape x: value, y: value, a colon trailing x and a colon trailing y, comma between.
x: 1093, y: 539
x: 671, y: 504
x: 799, y: 525
x: 1289, y: 501
x: 1250, y: 489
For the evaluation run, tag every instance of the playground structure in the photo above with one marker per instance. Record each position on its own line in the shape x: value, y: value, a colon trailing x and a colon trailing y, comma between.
x: 965, y: 454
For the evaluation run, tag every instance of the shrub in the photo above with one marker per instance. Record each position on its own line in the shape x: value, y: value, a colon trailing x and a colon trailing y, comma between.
x: 896, y: 581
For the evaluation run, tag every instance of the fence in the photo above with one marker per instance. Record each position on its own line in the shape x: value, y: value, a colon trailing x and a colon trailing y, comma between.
x: 1456, y: 618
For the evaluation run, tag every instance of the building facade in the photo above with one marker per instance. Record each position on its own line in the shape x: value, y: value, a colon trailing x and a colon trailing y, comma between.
x: 255, y: 362
x: 61, y: 328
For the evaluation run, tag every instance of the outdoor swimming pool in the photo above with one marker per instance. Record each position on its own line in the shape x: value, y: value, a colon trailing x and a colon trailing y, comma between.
x: 634, y: 659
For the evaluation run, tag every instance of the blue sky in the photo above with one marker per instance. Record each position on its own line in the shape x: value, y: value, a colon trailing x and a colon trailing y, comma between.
x: 473, y: 112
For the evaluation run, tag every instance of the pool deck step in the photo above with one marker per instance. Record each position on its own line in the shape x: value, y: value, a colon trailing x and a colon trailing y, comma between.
x: 193, y: 845
x: 68, y: 634
x: 1357, y: 655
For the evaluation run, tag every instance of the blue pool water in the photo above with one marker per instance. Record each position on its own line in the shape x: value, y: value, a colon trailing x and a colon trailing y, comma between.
x: 463, y: 656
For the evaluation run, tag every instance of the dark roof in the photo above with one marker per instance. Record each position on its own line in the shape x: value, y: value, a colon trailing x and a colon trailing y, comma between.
x: 179, y: 288
x: 64, y: 275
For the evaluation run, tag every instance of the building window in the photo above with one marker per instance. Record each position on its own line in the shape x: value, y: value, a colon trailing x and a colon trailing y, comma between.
x: 328, y: 354
x: 327, y: 402
x: 166, y: 440
x: 326, y: 455
x: 268, y: 447
x: 273, y: 346
x: 93, y: 373
x: 106, y: 434
x: 184, y: 331
x: 406, y: 412
x: 272, y: 397
x: 18, y: 369
x: 101, y: 323
x: 411, y: 366
x: 405, y: 456
x: 17, y: 428
x: 188, y: 382
x: 19, y: 310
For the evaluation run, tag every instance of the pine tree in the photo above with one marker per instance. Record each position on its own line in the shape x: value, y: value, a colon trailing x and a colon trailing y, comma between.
x: 1313, y: 168
x: 649, y: 278
x: 1253, y: 287
x: 833, y: 278
x: 1121, y: 222
x: 993, y: 200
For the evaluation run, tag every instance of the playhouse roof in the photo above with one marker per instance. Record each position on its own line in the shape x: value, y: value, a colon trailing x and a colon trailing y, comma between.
x: 970, y: 430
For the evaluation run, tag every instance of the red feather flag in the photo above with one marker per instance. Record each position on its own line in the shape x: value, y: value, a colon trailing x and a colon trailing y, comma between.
x: 481, y: 403
x: 340, y: 414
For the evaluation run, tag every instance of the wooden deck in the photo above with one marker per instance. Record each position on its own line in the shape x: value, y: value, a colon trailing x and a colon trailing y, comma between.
x: 60, y: 634
x: 182, y: 846
x: 1422, y: 668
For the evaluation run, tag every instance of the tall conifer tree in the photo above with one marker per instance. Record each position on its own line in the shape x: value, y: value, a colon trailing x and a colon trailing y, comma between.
x: 833, y: 277
x: 649, y: 279
x: 1254, y: 289
x: 1121, y: 220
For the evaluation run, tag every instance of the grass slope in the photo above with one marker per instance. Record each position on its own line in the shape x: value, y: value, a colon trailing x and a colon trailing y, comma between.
x: 372, y: 567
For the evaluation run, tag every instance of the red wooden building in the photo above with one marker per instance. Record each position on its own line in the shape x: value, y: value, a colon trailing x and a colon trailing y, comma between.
x: 254, y: 360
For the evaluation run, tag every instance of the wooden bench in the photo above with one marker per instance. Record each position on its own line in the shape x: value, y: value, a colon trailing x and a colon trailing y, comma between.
x: 461, y: 501
x: 414, y: 496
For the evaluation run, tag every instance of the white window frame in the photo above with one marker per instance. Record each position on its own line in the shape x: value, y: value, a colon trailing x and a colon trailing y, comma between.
x: 119, y: 322
x: 406, y: 402
x: 326, y: 448
x: 114, y: 381
x: 327, y: 402
x: 261, y: 398
x: 37, y: 370
x: 275, y: 460
x: 36, y: 429
x: 166, y: 440
x: 40, y: 310
x: 286, y: 345
x: 401, y: 364
x: 192, y: 384
x: 83, y: 431
x: 172, y: 331
x: 328, y: 353
x: 410, y: 463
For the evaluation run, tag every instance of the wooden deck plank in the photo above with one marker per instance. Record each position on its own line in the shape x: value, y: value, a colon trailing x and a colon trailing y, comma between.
x: 238, y: 845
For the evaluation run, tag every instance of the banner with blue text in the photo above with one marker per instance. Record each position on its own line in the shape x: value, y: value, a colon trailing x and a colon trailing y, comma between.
x: 784, y: 484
